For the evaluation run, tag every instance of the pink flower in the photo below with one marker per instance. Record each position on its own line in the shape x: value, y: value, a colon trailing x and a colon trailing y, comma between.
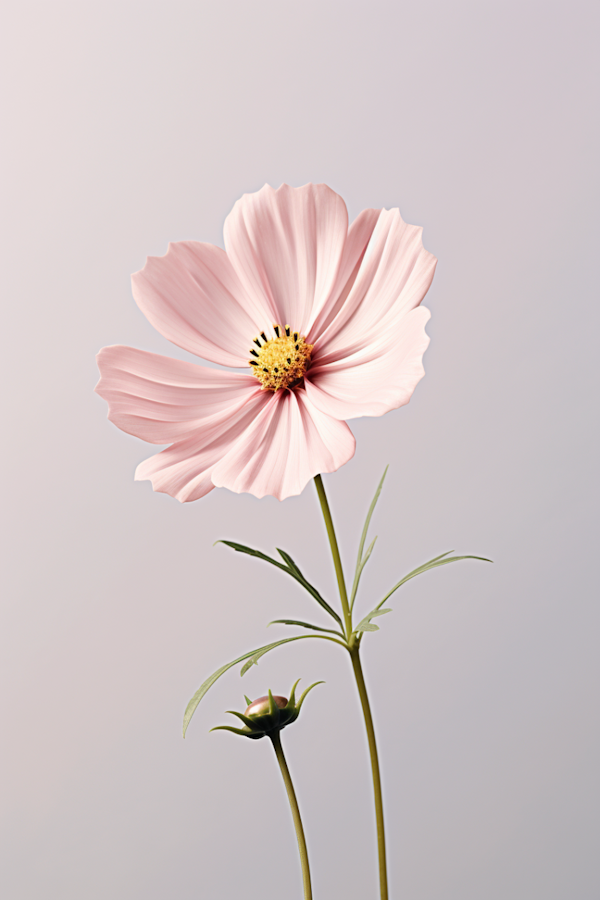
x: 325, y: 319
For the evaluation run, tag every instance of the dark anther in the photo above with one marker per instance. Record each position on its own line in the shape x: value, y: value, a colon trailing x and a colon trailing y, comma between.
x: 289, y: 360
x: 276, y: 329
x: 287, y: 330
x: 265, y: 370
x: 257, y: 342
x: 295, y: 335
x: 276, y: 369
x: 297, y: 347
x: 263, y: 336
x: 254, y: 353
x: 253, y: 363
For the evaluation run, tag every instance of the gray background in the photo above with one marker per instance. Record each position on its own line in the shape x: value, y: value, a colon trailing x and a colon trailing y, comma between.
x: 130, y: 124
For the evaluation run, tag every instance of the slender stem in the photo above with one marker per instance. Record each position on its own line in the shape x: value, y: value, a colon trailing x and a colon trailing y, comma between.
x: 276, y: 741
x: 353, y: 648
x: 335, y: 554
x: 366, y: 708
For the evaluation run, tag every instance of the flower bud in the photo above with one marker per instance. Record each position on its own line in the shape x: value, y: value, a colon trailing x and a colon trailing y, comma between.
x: 267, y: 715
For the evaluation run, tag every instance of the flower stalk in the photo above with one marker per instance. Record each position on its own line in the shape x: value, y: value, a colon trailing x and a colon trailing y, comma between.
x: 287, y: 779
x: 353, y: 646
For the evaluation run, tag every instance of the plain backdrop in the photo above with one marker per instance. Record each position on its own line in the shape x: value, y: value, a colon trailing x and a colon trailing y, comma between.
x: 131, y: 124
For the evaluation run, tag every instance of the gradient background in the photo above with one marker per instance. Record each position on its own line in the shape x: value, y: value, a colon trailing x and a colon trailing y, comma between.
x: 131, y: 124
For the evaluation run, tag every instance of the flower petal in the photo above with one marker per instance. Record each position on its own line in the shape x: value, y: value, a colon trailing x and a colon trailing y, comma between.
x: 286, y: 246
x: 359, y: 235
x: 159, y: 399
x: 184, y: 470
x: 394, y: 276
x: 375, y: 380
x: 290, y: 442
x: 194, y: 298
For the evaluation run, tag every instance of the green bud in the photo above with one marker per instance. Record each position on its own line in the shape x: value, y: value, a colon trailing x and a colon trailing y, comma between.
x: 267, y: 715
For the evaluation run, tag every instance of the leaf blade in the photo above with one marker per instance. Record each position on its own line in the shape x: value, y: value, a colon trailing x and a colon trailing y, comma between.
x: 360, y: 563
x: 305, y: 625
x: 291, y: 569
x: 366, y: 624
x: 426, y: 567
x: 253, y: 656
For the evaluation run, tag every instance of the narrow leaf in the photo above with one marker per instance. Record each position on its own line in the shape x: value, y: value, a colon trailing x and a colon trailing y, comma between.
x: 290, y: 563
x: 291, y: 568
x: 360, y: 562
x: 206, y: 685
x: 305, y: 625
x: 366, y: 624
x: 442, y: 560
x: 258, y: 654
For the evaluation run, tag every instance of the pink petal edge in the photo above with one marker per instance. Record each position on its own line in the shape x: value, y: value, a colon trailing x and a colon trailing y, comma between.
x: 286, y: 246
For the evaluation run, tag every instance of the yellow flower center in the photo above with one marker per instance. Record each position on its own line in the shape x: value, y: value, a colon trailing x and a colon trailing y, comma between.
x: 280, y: 362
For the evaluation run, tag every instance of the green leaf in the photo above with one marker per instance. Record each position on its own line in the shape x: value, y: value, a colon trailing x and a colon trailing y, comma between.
x: 305, y: 625
x: 366, y: 625
x: 291, y: 568
x: 360, y: 560
x: 290, y: 563
x: 253, y: 656
x: 206, y: 686
x: 442, y: 560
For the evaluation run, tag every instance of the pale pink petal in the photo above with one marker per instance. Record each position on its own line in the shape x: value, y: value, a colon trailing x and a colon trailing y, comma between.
x: 184, y: 470
x: 394, y: 276
x: 359, y: 235
x: 286, y: 246
x: 289, y: 443
x: 193, y: 296
x: 160, y: 399
x: 377, y: 379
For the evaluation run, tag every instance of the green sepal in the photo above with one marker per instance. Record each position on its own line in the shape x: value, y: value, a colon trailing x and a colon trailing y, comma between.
x: 245, y: 719
x: 273, y: 708
x: 305, y: 695
x: 230, y: 728
x: 268, y: 723
x: 291, y: 568
x: 247, y: 699
x: 292, y: 700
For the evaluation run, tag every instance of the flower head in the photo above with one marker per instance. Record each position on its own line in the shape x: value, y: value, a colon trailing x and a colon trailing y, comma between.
x: 268, y: 714
x: 325, y: 319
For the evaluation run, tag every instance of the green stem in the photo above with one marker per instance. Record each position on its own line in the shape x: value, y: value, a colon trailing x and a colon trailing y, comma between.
x: 366, y: 708
x: 276, y: 741
x: 335, y: 554
x: 353, y: 648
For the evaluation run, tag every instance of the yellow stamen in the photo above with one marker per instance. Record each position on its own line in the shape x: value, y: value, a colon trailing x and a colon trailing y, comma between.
x: 282, y: 361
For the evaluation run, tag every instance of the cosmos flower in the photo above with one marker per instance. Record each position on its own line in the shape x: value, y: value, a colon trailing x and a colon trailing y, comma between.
x: 324, y: 320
